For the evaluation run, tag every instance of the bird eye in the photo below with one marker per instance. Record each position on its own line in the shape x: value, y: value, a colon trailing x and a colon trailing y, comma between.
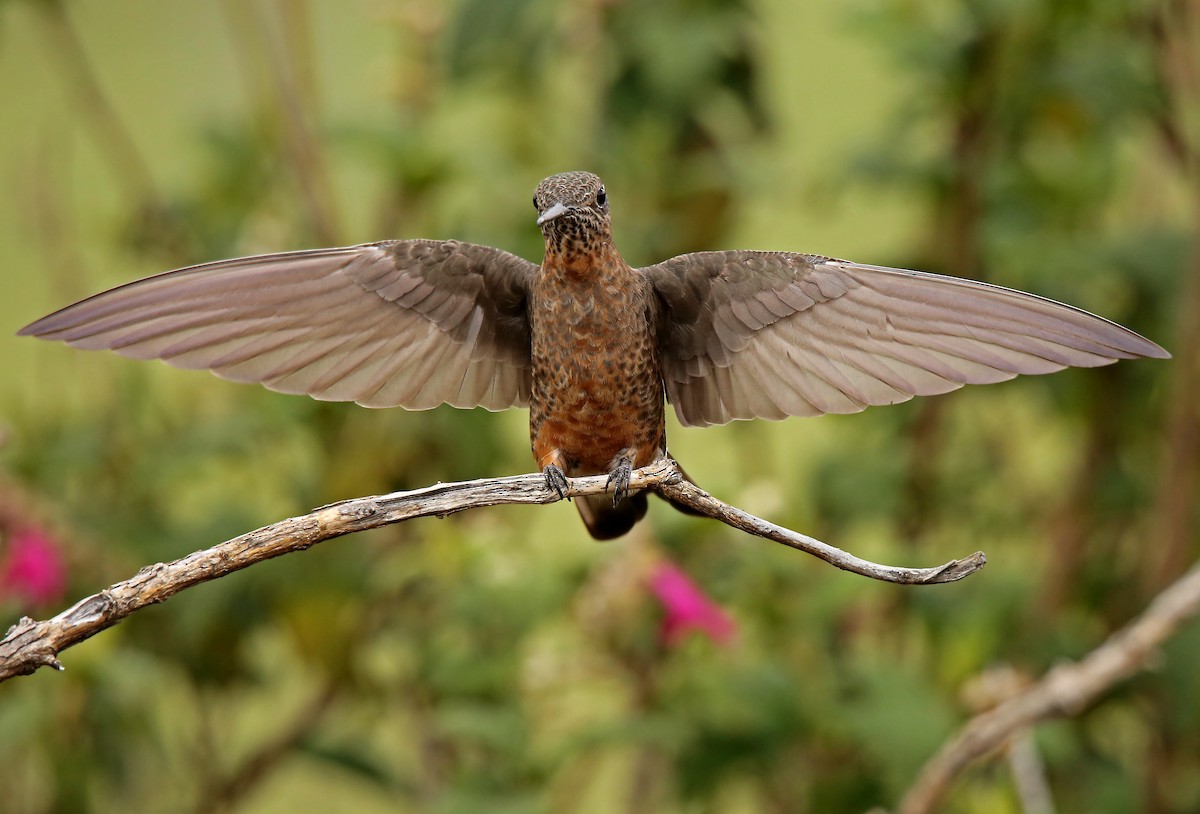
x: 601, y: 197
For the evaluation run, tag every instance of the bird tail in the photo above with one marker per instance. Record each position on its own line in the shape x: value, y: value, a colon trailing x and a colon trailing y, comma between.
x: 605, y: 521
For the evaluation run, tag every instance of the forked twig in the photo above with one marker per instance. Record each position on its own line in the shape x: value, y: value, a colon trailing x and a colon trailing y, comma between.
x: 1065, y: 690
x: 31, y: 644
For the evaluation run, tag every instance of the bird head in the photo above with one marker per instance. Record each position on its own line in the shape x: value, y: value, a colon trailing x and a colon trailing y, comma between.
x: 572, y: 210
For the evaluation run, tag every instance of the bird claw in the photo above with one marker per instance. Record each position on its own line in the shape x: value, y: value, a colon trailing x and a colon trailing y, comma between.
x: 556, y: 480
x: 618, y: 480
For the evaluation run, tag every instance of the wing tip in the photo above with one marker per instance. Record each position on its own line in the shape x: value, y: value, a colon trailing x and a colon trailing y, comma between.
x: 1156, y: 351
x: 38, y: 328
x: 1137, y: 346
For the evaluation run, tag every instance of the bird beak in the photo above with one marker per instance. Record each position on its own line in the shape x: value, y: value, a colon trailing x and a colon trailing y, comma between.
x: 555, y: 211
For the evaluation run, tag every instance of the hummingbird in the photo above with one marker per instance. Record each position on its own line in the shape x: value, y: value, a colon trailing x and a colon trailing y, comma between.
x: 594, y: 347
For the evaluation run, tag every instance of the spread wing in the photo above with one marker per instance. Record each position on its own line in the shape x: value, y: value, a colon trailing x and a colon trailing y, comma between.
x: 768, y: 335
x: 411, y: 323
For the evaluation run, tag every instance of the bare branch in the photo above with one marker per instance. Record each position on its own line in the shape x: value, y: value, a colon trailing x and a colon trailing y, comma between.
x: 31, y: 644
x: 1065, y: 690
x: 683, y: 491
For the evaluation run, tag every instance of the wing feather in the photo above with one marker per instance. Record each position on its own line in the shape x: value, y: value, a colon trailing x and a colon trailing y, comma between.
x: 768, y: 334
x: 412, y: 323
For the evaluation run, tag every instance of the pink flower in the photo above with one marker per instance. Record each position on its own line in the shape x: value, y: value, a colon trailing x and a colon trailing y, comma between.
x: 686, y: 608
x: 33, y: 568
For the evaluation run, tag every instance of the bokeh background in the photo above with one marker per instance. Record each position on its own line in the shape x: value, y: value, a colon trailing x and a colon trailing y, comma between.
x: 499, y: 660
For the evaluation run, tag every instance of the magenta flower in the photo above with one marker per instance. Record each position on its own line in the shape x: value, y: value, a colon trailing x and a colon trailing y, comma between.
x: 33, y: 568
x: 686, y: 608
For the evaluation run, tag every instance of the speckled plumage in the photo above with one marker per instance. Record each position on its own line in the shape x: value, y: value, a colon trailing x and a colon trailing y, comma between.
x: 597, y: 388
x: 597, y: 396
x: 591, y: 345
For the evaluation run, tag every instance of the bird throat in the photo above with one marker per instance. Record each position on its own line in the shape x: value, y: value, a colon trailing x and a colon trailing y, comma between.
x: 580, y: 252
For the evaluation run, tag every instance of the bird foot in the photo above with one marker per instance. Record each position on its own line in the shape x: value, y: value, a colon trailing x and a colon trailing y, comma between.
x: 618, y: 480
x: 556, y: 480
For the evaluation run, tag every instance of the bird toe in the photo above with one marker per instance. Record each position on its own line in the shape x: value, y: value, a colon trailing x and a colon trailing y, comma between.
x: 556, y: 480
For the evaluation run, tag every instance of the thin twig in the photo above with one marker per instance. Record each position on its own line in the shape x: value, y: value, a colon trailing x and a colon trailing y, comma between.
x: 1065, y: 690
x: 31, y: 644
x: 88, y: 96
x: 223, y: 791
x: 1029, y: 775
x: 1173, y: 29
x: 267, y: 757
x: 290, y: 90
x: 687, y: 493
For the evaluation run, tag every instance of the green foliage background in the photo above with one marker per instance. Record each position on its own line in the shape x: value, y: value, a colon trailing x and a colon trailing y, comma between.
x: 500, y: 660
